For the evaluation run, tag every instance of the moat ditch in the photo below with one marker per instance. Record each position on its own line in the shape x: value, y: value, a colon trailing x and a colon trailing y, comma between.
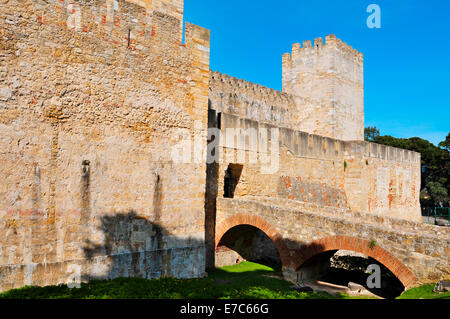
x: 331, y: 271
x: 348, y: 267
x: 347, y: 273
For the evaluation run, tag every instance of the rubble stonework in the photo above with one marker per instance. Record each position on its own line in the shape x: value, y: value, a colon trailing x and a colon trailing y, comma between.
x: 91, y: 95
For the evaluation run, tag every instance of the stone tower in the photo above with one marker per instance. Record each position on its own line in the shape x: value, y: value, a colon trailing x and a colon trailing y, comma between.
x: 326, y: 81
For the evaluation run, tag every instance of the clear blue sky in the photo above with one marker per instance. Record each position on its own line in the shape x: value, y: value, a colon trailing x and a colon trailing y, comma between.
x: 406, y: 62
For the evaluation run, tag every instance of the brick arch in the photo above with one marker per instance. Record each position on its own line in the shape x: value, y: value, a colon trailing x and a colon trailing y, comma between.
x: 258, y: 222
x: 406, y: 277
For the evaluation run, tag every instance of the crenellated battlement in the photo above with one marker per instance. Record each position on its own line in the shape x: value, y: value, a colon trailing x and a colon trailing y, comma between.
x: 121, y: 22
x: 133, y: 27
x: 234, y: 85
x: 303, y: 144
x: 331, y: 43
x: 250, y: 100
x: 174, y: 8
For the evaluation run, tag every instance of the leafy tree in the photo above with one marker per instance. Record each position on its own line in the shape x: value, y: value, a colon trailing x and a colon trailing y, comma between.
x: 446, y: 144
x: 370, y: 133
x: 439, y: 193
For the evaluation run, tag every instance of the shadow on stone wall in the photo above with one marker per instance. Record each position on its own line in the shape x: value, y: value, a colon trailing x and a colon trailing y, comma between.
x: 129, y: 245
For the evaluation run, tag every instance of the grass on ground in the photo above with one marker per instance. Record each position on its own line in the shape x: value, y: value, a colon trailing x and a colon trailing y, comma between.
x: 425, y: 292
x: 244, y: 281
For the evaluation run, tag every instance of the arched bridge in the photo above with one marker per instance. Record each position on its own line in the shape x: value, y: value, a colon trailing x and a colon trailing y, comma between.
x: 415, y: 253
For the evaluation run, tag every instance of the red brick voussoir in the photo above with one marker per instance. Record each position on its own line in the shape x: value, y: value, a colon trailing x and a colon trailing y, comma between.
x: 258, y: 222
x: 406, y: 277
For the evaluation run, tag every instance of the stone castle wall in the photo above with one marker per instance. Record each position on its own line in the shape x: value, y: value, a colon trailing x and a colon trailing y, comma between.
x: 321, y: 171
x: 90, y: 96
x: 320, y: 161
x: 251, y: 101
